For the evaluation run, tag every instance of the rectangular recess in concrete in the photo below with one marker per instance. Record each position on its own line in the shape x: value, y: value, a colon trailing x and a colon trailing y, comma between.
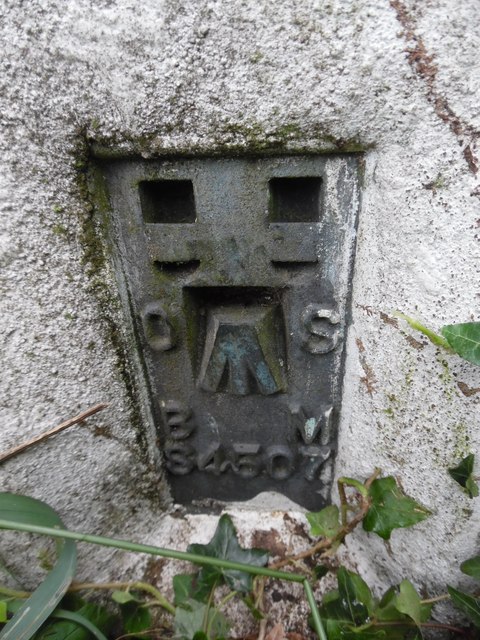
x: 235, y: 275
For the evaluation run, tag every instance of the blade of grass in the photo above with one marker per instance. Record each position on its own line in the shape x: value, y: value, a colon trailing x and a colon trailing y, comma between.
x: 28, y: 512
x: 142, y: 548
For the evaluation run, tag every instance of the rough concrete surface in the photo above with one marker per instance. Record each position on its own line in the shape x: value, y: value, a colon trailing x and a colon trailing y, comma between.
x: 399, y: 79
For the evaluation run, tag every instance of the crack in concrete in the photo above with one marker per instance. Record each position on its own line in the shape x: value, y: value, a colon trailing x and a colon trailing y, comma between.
x: 422, y: 63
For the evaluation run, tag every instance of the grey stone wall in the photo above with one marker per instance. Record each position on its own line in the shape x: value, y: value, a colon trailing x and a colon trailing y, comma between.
x: 398, y: 80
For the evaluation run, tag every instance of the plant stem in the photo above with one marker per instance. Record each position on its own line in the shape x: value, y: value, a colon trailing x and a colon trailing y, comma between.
x: 206, y: 627
x: 228, y: 597
x: 11, y: 593
x: 105, y: 586
x: 47, y: 434
x: 435, y: 338
x: 444, y: 596
x: 154, y: 551
x: 347, y: 526
x: 343, y: 503
x: 317, y: 621
x: 423, y: 625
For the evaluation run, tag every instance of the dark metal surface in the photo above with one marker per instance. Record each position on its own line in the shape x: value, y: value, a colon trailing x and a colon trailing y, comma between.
x: 236, y: 275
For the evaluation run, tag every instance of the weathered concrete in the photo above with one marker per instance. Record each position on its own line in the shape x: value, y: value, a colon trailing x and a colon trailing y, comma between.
x: 397, y: 79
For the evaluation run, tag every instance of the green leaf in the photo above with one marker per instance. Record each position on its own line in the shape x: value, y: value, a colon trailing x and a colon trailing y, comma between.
x: 123, y: 597
x: 193, y: 617
x: 356, y: 596
x: 463, y: 474
x: 409, y: 602
x: 325, y: 523
x: 3, y: 611
x: 340, y: 630
x: 386, y: 610
x: 182, y: 588
x: 35, y: 610
x: 250, y: 604
x: 320, y: 571
x: 391, y: 509
x: 339, y: 609
x: 471, y: 567
x: 466, y: 603
x: 464, y: 340
x: 472, y: 487
x: 136, y: 619
x: 224, y: 544
x: 88, y: 622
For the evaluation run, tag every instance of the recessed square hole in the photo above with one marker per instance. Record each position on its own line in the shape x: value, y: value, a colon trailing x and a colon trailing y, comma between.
x: 167, y: 201
x: 295, y: 199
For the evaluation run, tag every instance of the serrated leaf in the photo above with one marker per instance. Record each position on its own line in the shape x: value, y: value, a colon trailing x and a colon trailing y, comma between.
x: 471, y: 567
x: 355, y: 595
x: 224, y: 544
x: 463, y: 474
x: 194, y: 617
x: 464, y: 339
x: 466, y: 603
x: 409, y: 602
x: 36, y: 609
x: 325, y: 523
x: 391, y: 509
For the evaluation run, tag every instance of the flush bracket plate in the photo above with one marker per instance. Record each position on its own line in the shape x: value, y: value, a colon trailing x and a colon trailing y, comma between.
x: 235, y: 276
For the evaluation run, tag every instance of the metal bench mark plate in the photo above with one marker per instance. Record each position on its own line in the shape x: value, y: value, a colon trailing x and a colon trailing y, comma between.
x: 235, y: 274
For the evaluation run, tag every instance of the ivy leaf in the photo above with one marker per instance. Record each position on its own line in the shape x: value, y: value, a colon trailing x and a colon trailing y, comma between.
x: 386, y: 610
x: 336, y: 610
x: 391, y: 509
x: 471, y: 567
x: 320, y: 571
x: 194, y: 618
x: 224, y: 544
x: 182, y: 588
x: 136, y: 619
x: 325, y: 523
x: 464, y: 340
x: 463, y: 474
x: 409, y: 602
x: 356, y: 596
x: 188, y: 586
x: 466, y: 603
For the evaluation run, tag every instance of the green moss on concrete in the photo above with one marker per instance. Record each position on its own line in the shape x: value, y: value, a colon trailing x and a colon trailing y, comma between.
x: 234, y: 139
x: 95, y: 247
